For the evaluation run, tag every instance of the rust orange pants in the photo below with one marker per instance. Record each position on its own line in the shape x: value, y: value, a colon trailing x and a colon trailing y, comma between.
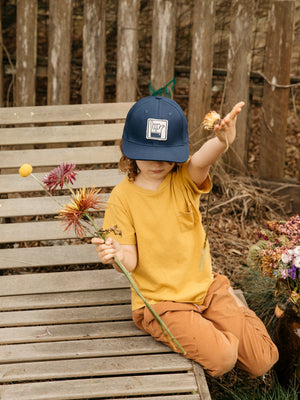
x: 217, y: 334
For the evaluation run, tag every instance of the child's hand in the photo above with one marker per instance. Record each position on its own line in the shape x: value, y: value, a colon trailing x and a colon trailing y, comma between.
x: 107, y: 250
x: 225, y: 131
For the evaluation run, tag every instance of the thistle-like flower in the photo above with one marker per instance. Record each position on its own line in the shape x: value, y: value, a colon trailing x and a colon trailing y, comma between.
x: 64, y: 173
x: 210, y: 120
x: 84, y: 202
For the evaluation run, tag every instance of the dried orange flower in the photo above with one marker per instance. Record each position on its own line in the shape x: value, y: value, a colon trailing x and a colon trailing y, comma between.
x: 78, y: 211
x: 210, y: 120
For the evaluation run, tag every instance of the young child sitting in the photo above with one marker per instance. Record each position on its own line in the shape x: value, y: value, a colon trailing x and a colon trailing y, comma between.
x: 156, y: 207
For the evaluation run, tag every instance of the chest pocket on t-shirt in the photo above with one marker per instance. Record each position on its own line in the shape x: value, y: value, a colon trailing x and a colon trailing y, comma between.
x: 186, y: 219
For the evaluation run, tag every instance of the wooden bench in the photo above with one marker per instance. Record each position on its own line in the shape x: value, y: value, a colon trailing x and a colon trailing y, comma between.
x: 66, y: 330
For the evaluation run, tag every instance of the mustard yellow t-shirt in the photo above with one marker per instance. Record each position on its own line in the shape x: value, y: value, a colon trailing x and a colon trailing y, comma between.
x: 166, y: 227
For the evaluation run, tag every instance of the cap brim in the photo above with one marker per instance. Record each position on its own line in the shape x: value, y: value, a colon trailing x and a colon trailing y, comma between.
x: 135, y: 151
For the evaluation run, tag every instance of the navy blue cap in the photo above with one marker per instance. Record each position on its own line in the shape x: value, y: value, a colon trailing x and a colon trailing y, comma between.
x: 156, y: 129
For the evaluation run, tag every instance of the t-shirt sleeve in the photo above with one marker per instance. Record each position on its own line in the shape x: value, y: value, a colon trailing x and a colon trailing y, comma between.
x: 205, y: 187
x: 116, y: 214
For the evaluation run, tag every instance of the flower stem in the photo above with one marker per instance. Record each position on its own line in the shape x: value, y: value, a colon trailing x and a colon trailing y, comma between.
x: 171, y: 339
x: 46, y: 190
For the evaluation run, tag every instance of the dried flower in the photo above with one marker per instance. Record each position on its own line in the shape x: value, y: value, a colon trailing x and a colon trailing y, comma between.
x: 25, y: 170
x: 64, y: 173
x: 210, y: 120
x: 79, y: 210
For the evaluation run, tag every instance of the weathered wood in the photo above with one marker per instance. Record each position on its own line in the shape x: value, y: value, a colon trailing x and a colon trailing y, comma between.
x: 65, y: 113
x: 101, y: 388
x: 16, y: 184
x: 127, y: 49
x: 93, y: 58
x: 163, y: 42
x: 65, y: 299
x: 26, y: 52
x: 59, y: 54
x: 201, y: 68
x: 81, y: 349
x: 100, y: 366
x: 237, y: 81
x: 275, y: 98
x: 201, y: 381
x: 65, y: 315
x: 60, y: 282
x: 48, y: 157
x: 1, y: 60
x: 61, y: 134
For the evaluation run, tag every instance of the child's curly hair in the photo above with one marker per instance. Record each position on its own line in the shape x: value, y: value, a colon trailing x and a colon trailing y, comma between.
x: 128, y: 166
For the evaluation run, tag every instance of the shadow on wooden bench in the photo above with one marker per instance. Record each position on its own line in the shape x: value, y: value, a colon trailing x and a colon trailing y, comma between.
x: 66, y: 329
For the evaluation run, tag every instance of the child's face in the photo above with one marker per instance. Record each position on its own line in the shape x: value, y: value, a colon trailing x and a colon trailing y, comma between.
x: 154, y: 169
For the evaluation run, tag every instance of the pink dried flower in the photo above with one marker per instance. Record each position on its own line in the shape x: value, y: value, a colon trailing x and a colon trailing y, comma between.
x: 64, y: 173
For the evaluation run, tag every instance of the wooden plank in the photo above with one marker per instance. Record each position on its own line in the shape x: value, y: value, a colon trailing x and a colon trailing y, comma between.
x: 93, y: 57
x: 78, y: 331
x: 36, y: 231
x: 201, y: 381
x: 237, y: 81
x: 66, y: 315
x: 276, y: 99
x: 14, y: 183
x: 127, y: 50
x: 59, y: 51
x: 81, y: 349
x: 48, y: 256
x: 1, y: 60
x: 72, y: 299
x: 101, y: 387
x: 105, y: 366
x: 60, y: 134
x: 26, y: 46
x: 58, y: 282
x: 64, y: 113
x: 201, y: 68
x: 163, y: 42
x: 54, y: 157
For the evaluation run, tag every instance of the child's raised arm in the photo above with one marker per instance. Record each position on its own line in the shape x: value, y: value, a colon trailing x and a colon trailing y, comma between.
x: 201, y: 161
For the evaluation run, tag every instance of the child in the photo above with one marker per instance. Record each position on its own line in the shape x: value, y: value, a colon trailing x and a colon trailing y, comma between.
x: 157, y: 209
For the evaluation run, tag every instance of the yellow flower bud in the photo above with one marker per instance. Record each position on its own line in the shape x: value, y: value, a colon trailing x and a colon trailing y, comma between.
x: 25, y: 170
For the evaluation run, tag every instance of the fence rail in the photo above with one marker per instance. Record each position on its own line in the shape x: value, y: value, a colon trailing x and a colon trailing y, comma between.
x: 117, y: 62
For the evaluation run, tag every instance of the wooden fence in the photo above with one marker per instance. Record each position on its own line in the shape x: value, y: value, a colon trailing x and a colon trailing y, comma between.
x: 242, y: 14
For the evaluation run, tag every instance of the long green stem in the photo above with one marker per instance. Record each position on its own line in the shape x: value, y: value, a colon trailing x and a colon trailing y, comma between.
x: 163, y: 326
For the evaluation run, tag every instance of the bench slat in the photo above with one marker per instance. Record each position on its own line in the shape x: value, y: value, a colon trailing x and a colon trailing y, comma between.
x: 78, y: 331
x: 48, y: 256
x: 65, y: 315
x: 36, y: 231
x: 54, y: 157
x: 64, y: 113
x: 80, y: 349
x: 14, y: 183
x: 57, y: 282
x: 60, y: 134
x: 72, y: 299
x: 101, y: 388
x: 100, y: 366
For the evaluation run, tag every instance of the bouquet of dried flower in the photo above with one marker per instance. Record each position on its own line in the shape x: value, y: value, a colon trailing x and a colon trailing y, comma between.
x: 277, y: 255
x: 79, y: 214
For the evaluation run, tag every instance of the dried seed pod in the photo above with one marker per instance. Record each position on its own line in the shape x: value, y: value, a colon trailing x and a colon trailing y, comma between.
x: 210, y: 120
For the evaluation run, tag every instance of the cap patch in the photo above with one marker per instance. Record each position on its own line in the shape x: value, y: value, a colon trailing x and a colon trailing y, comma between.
x: 157, y: 129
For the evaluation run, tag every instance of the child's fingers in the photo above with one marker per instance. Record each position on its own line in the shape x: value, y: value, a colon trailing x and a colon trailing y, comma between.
x: 236, y: 109
x: 97, y: 240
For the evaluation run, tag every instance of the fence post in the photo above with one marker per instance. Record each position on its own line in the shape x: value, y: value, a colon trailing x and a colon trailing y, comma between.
x: 201, y: 68
x: 237, y: 80
x: 26, y: 43
x: 1, y: 59
x: 163, y: 42
x: 127, y: 49
x: 93, y: 59
x: 275, y: 98
x: 59, y: 56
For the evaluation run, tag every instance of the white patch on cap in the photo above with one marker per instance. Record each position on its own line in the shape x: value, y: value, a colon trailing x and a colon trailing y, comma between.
x: 157, y: 129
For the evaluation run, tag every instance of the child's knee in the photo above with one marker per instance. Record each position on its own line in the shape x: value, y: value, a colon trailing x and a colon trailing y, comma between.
x: 262, y: 365
x: 222, y: 362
